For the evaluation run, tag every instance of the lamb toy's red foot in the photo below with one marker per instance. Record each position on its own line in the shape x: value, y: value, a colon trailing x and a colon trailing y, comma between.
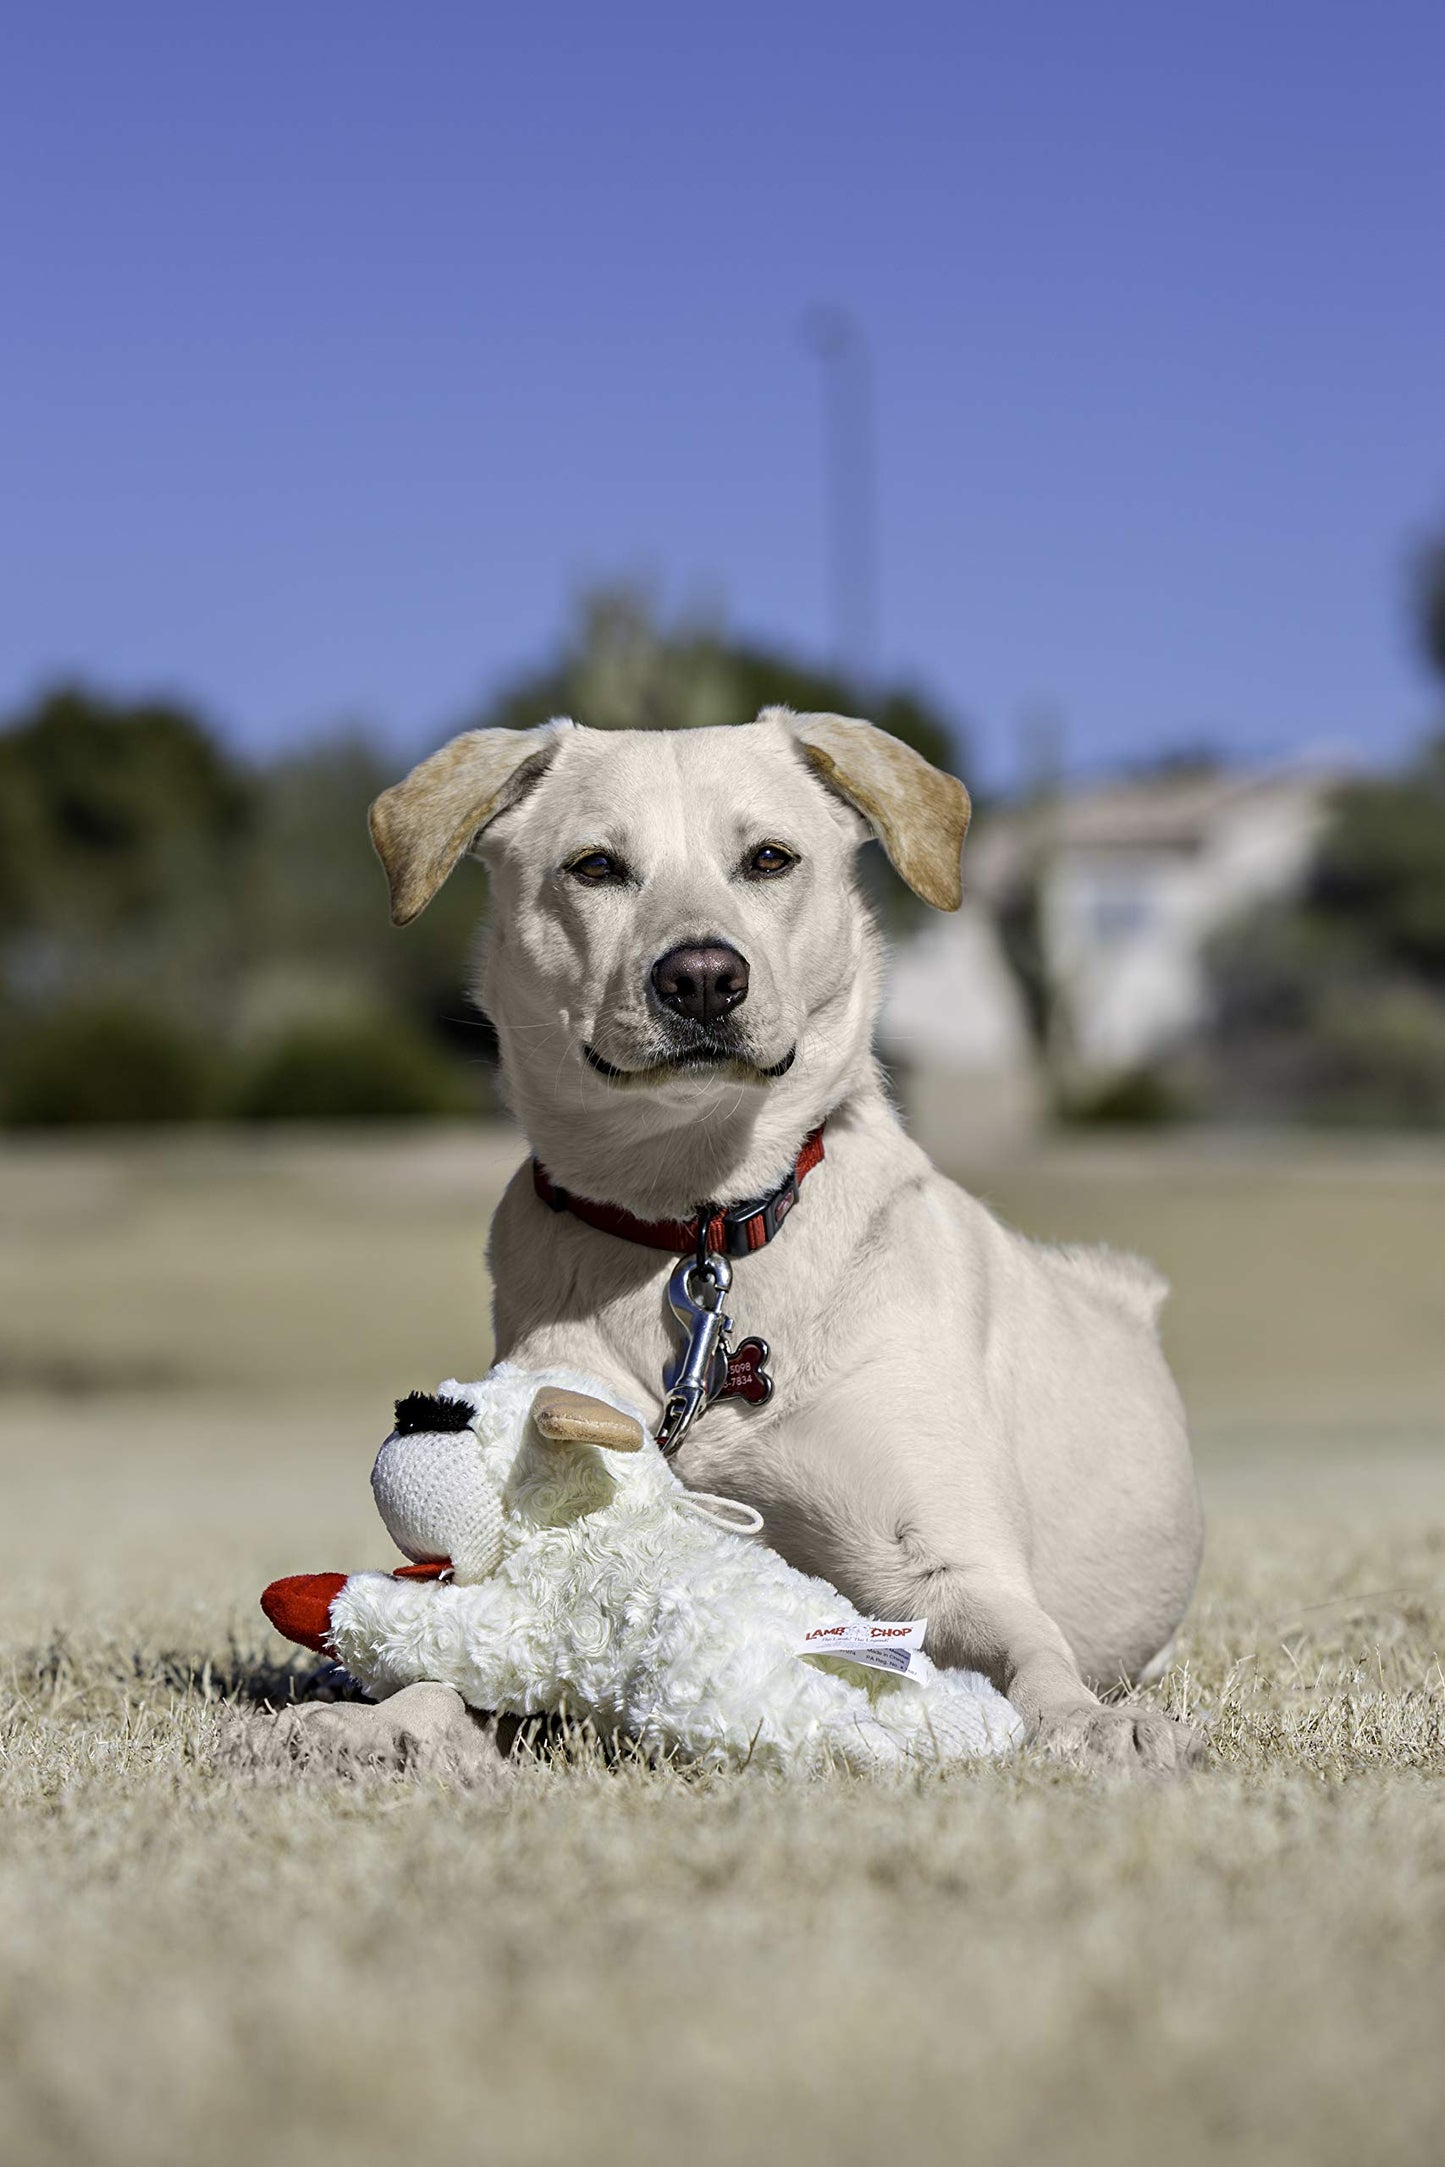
x: 300, y: 1607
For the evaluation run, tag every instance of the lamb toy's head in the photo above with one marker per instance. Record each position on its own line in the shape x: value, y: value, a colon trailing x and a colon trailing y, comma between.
x: 474, y: 1470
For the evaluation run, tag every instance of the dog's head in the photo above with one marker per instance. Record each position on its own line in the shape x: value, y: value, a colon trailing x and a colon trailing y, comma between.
x: 674, y: 922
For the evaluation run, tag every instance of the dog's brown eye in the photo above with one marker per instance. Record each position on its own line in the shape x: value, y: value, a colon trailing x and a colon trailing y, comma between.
x: 768, y: 860
x: 597, y: 867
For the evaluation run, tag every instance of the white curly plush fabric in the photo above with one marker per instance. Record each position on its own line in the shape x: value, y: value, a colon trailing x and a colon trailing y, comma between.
x: 594, y: 1585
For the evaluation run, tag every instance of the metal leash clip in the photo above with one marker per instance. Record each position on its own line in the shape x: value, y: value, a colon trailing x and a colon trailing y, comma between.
x: 693, y: 1379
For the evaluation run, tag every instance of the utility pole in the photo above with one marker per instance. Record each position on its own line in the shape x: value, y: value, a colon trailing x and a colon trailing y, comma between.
x: 850, y: 493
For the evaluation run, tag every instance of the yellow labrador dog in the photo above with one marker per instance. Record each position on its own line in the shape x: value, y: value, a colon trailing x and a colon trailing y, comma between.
x: 963, y: 1425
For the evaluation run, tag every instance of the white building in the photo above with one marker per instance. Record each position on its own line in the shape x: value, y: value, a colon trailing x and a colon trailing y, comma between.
x: 1132, y: 879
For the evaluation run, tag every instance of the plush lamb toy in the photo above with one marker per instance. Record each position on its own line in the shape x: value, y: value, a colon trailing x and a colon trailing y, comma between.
x: 586, y: 1580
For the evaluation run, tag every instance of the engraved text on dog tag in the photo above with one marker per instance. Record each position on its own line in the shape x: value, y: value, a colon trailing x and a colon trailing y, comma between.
x: 747, y: 1378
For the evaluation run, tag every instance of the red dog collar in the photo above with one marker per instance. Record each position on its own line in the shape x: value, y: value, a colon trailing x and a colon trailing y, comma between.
x: 736, y: 1232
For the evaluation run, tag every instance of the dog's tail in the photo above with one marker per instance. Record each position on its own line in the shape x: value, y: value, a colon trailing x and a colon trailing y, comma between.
x: 1126, y: 1278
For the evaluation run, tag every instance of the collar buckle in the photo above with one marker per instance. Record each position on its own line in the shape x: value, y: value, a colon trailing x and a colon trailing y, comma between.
x: 749, y: 1227
x: 775, y: 1209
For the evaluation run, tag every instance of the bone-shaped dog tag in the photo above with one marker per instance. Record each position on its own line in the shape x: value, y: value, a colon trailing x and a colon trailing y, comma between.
x: 747, y: 1377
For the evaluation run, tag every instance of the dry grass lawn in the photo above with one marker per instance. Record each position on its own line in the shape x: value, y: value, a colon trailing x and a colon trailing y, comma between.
x: 198, y: 1347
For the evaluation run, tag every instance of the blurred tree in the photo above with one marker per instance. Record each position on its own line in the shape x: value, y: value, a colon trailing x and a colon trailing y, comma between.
x: 106, y: 1062
x: 104, y: 803
x: 1379, y: 877
x: 363, y: 1067
x: 123, y: 831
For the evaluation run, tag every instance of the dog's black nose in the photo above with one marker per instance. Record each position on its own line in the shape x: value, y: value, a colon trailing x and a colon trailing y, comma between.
x: 704, y: 982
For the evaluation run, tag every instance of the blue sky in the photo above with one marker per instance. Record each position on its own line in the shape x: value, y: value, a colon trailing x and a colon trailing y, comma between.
x: 341, y: 345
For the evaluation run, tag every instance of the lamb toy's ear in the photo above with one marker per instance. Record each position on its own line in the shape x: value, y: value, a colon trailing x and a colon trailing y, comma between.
x: 575, y: 1418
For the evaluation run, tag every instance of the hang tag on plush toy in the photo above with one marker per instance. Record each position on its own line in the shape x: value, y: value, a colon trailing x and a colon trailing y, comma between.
x: 874, y: 1641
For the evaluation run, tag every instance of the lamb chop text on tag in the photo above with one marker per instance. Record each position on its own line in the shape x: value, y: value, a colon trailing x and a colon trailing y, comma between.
x: 880, y: 1645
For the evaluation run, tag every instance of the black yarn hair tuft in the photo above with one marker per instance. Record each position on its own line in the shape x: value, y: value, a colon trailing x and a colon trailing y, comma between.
x: 432, y: 1412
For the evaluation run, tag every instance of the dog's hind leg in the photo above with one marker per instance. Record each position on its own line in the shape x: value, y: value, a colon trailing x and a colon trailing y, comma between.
x: 985, y: 1620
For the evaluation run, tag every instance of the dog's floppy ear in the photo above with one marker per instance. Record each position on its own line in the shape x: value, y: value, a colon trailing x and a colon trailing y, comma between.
x: 422, y: 825
x: 576, y: 1418
x: 919, y: 814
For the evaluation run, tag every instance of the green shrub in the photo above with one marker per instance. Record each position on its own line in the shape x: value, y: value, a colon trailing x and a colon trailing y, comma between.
x: 101, y: 1063
x: 370, y: 1068
x: 1381, y: 1052
x: 1311, y: 1023
x: 1135, y: 1098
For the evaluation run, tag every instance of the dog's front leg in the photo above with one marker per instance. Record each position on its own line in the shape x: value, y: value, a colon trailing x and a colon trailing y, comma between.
x: 991, y: 1620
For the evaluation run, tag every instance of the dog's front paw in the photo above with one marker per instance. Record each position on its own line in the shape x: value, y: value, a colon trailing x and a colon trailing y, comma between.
x: 425, y: 1729
x: 1127, y: 1739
